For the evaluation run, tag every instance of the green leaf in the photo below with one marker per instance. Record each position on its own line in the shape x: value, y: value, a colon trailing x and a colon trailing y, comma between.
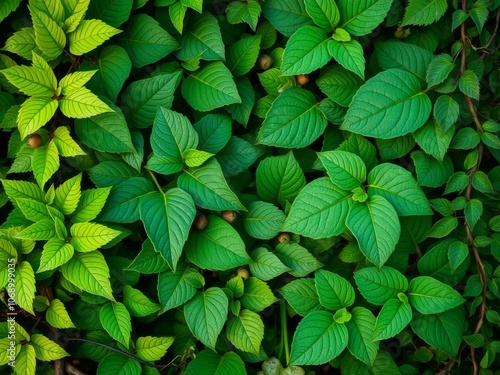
x: 301, y: 295
x: 263, y: 220
x: 457, y: 254
x: 114, y: 12
x: 315, y: 332
x: 41, y: 230
x: 481, y: 182
x: 388, y: 105
x: 430, y: 296
x: 115, y: 320
x: 66, y: 145
x: 210, y: 87
x: 176, y: 288
x: 35, y: 113
x: 48, y: 35
x: 218, y: 247
x: 86, y: 237
x: 46, y: 349
x: 7, y: 7
x: 146, y: 42
x: 294, y: 120
x: 446, y: 112
x: 319, y: 211
x: 305, y: 51
x: 246, y: 331
x: 274, y: 83
x: 55, y: 253
x: 152, y: 348
x: 473, y: 211
x: 398, y: 186
x: 360, y: 18
x: 243, y: 54
x: 114, y: 363
x: 375, y: 224
x: 394, y: 316
x: 90, y: 205
x: 214, y: 131
x: 439, y: 69
x: 54, y: 10
x: 206, y: 314
x: 24, y: 283
x: 22, y: 43
x: 137, y: 303
x: 296, y: 257
x: 361, y: 327
x: 287, y: 16
x: 202, y: 39
x: 422, y: 12
x: 68, y: 195
x: 167, y: 219
x: 90, y: 272
x: 339, y: 84
x: 443, y: 331
x: 349, y: 54
x: 82, y: 103
x: 90, y: 34
x: 468, y: 83
x: 57, y: 316
x: 195, y: 158
x: 378, y: 286
x: 244, y: 11
x: 32, y: 81
x: 177, y: 13
x: 26, y: 360
x: 334, y: 291
x: 431, y: 172
x: 433, y: 140
x: 45, y: 162
x: 257, y: 295
x: 265, y: 265
x: 324, y: 13
x: 22, y: 189
x: 209, y: 189
x: 346, y: 170
x: 208, y: 362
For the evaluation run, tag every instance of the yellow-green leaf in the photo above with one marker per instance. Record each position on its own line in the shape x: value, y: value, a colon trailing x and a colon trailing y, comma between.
x: 46, y: 349
x: 45, y: 162
x: 88, y: 35
x: 65, y: 143
x: 34, y: 113
x: 57, y: 316
x: 24, y: 281
x: 152, y: 348
x: 82, y: 103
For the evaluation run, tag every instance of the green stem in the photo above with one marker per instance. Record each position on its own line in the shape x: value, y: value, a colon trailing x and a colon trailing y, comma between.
x: 155, y: 181
x: 284, y: 333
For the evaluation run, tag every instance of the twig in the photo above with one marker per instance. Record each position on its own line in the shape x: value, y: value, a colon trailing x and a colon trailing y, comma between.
x: 73, y: 370
x: 492, y: 37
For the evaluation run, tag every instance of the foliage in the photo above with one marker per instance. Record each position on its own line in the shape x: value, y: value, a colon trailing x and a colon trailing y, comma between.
x: 249, y: 187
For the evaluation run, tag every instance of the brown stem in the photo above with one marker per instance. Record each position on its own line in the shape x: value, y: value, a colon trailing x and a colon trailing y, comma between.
x: 493, y: 35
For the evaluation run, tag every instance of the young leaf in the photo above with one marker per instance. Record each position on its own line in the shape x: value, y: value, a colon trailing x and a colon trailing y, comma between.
x: 378, y: 286
x: 301, y: 295
x: 68, y: 195
x: 65, y: 144
x: 137, y: 303
x: 46, y: 349
x: 24, y: 282
x: 86, y: 237
x: 349, y: 54
x: 265, y: 265
x: 430, y: 296
x: 90, y: 205
x: 176, y: 288
x: 57, y: 316
x: 206, y: 314
x: 48, y: 35
x: 384, y: 105
x: 246, y: 331
x: 45, y: 162
x: 394, y: 316
x: 35, y: 113
x: 31, y: 81
x: 334, y: 291
x: 152, y: 348
x: 55, y: 253
x: 167, y: 218
x: 315, y: 332
x: 115, y: 319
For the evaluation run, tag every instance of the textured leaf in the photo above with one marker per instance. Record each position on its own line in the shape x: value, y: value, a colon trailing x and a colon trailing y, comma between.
x: 297, y: 258
x: 55, y: 253
x: 48, y: 35
x: 206, y: 314
x: 394, y: 316
x: 360, y: 328
x: 319, y: 211
x: 209, y: 189
x: 152, y: 348
x: 468, y: 83
x: 66, y: 145
x: 115, y: 319
x: 68, y: 195
x: 243, y: 54
x: 422, y: 12
x: 210, y: 87
x: 349, y: 54
x: 396, y: 184
x: 82, y: 103
x: 113, y: 12
x: 257, y: 295
x: 146, y: 42
x: 45, y: 162
x: 286, y: 16
x: 46, y: 349
x: 431, y: 172
x: 361, y: 17
x: 90, y: 34
x: 167, y: 219
x: 32, y: 81
x: 137, y: 303
x: 24, y: 282
x: 7, y: 7
x: 35, y: 113
x: 218, y: 247
x: 339, y: 84
x: 26, y: 360
x: 346, y: 170
x: 305, y: 51
x: 86, y: 237
x: 244, y: 11
x: 114, y: 363
x: 265, y: 265
x: 90, y: 272
x: 176, y: 288
x: 294, y: 120
x: 446, y: 112
x: 263, y: 220
x: 90, y: 205
x: 109, y: 173
x: 384, y: 105
x: 439, y: 69
x: 315, y: 332
x: 378, y: 286
x: 57, y: 316
x: 214, y: 131
x: 429, y: 296
x: 301, y: 295
x: 334, y: 291
x: 324, y: 13
x: 210, y: 363
x: 433, y: 140
x: 246, y: 331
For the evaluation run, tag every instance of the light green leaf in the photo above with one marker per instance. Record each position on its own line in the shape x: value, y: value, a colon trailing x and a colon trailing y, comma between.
x: 48, y: 35
x: 243, y: 54
x: 74, y: 81
x: 35, y: 113
x: 218, y: 247
x: 115, y: 320
x: 148, y: 261
x: 32, y: 81
x: 146, y: 42
x: 297, y: 258
x: 152, y: 348
x: 57, y: 316
x: 246, y: 331
x: 22, y: 43
x: 176, y: 288
x: 177, y: 13
x: 361, y: 327
x: 334, y: 291
x: 319, y: 211
x: 46, y: 349
x: 55, y: 253
x: 90, y: 205
x: 394, y: 316
x: 82, y: 103
x: 398, y: 186
x: 324, y: 13
x: 137, y: 303
x: 305, y: 51
x: 423, y: 12
x: 26, y: 360
x: 208, y: 362
x: 45, y: 162
x: 90, y: 272
x: 195, y: 158
x: 294, y: 120
x: 66, y: 145
x: 263, y: 220
x: 378, y: 286
x: 23, y: 189
x: 24, y: 282
x: 208, y: 187
x: 41, y: 230
x: 206, y: 314
x: 317, y: 331
x: 68, y: 195
x: 210, y: 87
x: 346, y: 170
x: 388, y: 105
x: 265, y: 265
x: 349, y: 54
x: 86, y: 237
x: 430, y: 296
x: 257, y: 295
x: 361, y: 17
x: 167, y: 219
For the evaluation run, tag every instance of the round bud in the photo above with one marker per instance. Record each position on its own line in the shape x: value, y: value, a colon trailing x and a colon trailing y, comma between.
x: 283, y: 237
x: 200, y: 222
x: 34, y: 140
x: 302, y: 79
x: 243, y: 273
x: 265, y: 62
x: 229, y: 216
x: 401, y: 33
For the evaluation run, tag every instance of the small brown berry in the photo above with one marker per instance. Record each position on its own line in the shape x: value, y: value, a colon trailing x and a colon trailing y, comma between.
x: 302, y: 79
x: 200, y: 222
x: 283, y: 237
x: 265, y: 62
x: 229, y: 216
x: 34, y: 140
x: 243, y: 273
